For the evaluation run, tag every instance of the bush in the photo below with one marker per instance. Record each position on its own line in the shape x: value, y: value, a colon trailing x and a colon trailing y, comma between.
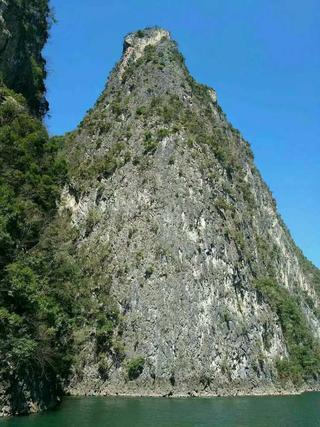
x: 222, y: 204
x: 149, y: 53
x: 104, y: 336
x: 162, y: 133
x: 148, y: 273
x: 303, y: 349
x: 135, y: 368
x: 149, y: 144
x: 116, y: 108
x: 142, y: 110
x: 31, y: 174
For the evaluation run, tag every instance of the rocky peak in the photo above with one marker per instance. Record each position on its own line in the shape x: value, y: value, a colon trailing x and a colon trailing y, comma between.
x: 139, y: 39
x: 186, y: 238
x: 135, y: 44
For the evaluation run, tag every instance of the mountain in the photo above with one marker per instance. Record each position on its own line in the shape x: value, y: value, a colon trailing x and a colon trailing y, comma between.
x: 141, y: 254
x: 198, y: 285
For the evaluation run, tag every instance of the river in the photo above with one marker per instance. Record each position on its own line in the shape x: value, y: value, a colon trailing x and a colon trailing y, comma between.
x: 265, y: 411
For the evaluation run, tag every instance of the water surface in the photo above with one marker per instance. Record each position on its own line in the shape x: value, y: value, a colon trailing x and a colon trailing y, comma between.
x: 266, y: 411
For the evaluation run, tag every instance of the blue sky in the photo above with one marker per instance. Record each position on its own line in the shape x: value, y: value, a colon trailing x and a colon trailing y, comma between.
x: 262, y: 57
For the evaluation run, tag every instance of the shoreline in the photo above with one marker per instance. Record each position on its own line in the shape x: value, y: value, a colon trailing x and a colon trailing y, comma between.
x: 187, y: 395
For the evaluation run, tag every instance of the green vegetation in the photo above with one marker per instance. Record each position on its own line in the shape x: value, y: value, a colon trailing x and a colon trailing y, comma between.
x: 135, y: 368
x: 240, y: 241
x: 162, y: 133
x: 176, y: 117
x: 31, y: 174
x: 46, y: 284
x: 149, y: 53
x: 310, y: 270
x: 149, y: 272
x: 303, y: 349
x: 222, y: 204
x: 22, y: 65
x: 32, y: 319
x: 70, y: 277
x: 97, y: 166
x: 115, y: 158
x: 176, y: 55
x: 150, y: 145
x: 36, y: 299
x: 116, y: 108
x: 142, y: 110
x: 247, y: 193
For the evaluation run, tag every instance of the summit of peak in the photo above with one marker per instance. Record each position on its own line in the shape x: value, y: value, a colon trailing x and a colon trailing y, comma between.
x: 145, y: 37
x: 136, y: 42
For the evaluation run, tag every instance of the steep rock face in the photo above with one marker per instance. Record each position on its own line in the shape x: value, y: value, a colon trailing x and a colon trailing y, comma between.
x: 178, y: 229
x: 24, y: 28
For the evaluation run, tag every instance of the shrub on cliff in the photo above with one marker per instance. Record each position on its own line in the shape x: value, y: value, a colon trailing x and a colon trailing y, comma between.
x: 135, y: 368
x: 303, y: 349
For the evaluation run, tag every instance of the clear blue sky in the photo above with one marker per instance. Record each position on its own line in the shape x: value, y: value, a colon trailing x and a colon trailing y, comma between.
x: 262, y: 57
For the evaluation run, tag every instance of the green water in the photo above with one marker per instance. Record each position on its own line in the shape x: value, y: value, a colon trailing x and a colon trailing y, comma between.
x: 282, y: 411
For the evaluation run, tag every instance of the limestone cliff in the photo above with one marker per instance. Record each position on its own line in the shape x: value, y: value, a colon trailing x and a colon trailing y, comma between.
x: 176, y: 226
x: 24, y: 26
x: 165, y: 269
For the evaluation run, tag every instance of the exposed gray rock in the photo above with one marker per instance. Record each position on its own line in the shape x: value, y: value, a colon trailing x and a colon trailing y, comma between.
x: 163, y: 181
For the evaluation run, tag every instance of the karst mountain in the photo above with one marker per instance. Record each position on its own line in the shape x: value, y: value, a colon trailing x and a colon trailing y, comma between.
x: 164, y: 267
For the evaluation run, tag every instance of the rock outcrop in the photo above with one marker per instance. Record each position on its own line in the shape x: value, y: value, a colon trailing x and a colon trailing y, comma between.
x: 23, y: 33
x: 176, y: 226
